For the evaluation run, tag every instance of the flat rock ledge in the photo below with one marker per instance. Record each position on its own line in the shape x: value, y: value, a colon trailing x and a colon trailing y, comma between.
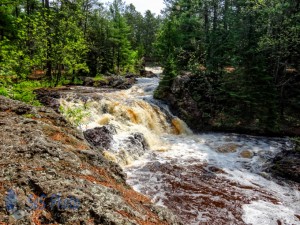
x: 50, y: 175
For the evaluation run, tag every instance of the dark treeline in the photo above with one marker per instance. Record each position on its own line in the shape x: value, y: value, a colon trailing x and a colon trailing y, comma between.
x: 245, y: 55
x: 68, y: 38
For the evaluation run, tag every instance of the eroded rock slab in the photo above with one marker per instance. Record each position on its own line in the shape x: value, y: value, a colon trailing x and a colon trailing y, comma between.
x: 43, y: 158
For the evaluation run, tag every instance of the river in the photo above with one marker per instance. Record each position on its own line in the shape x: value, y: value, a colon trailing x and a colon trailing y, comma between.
x: 204, y: 178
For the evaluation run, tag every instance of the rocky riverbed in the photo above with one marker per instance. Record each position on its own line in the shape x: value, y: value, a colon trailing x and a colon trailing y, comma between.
x: 51, y: 175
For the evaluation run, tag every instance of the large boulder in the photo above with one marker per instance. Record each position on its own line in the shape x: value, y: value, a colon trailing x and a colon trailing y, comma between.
x: 182, y: 98
x: 147, y: 74
x: 124, y: 150
x: 287, y: 164
x: 48, y: 97
x: 120, y: 82
x: 49, y: 174
x: 136, y: 145
x: 100, y: 136
x: 88, y: 81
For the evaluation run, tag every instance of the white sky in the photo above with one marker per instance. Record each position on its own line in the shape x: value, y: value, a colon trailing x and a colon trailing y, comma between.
x: 142, y: 5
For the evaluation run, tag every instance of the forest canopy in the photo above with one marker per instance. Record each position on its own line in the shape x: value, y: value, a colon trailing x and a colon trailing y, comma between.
x: 245, y: 55
x: 73, y: 37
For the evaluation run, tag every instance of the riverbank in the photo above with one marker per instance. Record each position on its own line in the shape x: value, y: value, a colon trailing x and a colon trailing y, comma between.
x: 284, y: 165
x: 216, y: 174
x: 203, y: 106
x: 166, y: 161
x: 44, y: 156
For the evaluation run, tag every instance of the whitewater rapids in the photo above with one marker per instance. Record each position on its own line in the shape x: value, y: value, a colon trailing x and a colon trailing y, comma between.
x: 208, y: 178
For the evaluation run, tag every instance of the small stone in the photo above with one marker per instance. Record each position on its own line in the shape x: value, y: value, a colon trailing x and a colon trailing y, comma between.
x: 228, y: 148
x: 246, y: 154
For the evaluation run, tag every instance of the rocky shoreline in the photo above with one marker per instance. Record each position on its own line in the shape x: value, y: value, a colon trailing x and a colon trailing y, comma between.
x: 114, y: 81
x: 188, y: 100
x: 43, y: 156
x: 287, y: 164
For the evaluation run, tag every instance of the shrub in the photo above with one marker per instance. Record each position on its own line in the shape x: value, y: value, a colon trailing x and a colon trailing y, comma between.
x: 74, y: 115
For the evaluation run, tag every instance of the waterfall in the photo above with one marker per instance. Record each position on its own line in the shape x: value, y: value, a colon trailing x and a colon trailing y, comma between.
x: 204, y: 178
x: 129, y: 112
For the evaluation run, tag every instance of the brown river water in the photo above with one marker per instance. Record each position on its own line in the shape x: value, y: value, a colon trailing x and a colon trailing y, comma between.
x: 204, y: 178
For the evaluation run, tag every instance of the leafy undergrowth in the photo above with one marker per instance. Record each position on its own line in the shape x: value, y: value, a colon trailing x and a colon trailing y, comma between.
x: 22, y: 91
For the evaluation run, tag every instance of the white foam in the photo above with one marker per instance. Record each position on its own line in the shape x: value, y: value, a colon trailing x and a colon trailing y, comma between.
x: 192, y: 149
x: 199, y: 149
x: 261, y: 212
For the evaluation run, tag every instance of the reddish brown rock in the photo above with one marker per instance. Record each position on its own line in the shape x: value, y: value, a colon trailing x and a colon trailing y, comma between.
x: 43, y: 156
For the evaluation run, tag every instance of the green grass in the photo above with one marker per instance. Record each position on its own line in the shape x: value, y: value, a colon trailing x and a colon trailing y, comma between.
x: 99, y: 77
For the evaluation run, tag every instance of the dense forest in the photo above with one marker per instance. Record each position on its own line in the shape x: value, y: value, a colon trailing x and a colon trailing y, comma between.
x: 244, y: 55
x: 245, y: 58
x: 61, y: 40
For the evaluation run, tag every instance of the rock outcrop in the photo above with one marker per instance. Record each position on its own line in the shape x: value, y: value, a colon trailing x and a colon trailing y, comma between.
x: 50, y: 175
x: 113, y: 81
x: 147, y: 74
x: 182, y: 97
x: 201, y: 103
x: 287, y: 164
x: 48, y: 98
x: 100, y: 136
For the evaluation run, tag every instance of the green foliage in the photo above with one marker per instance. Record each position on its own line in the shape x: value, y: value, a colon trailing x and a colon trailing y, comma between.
x: 9, y: 58
x: 3, y: 91
x: 72, y: 38
x: 169, y: 74
x: 77, y: 81
x: 74, y: 114
x: 29, y: 116
x: 99, y: 77
x: 23, y: 91
x: 246, y: 56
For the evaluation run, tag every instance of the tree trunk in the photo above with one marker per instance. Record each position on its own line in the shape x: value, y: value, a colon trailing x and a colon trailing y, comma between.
x: 49, y: 63
x: 206, y: 21
x: 226, y: 7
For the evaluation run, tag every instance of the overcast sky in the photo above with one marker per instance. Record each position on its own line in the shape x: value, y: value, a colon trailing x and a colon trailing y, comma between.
x: 142, y: 5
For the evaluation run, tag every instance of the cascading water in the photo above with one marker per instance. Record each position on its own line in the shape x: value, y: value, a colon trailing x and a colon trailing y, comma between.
x: 203, y: 178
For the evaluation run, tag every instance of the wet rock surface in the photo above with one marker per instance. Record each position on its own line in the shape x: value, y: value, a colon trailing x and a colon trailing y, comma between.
x: 43, y: 156
x: 48, y: 98
x: 100, y: 136
x: 137, y: 143
x: 228, y: 148
x: 148, y: 74
x: 127, y: 149
x: 287, y: 164
x: 215, y: 195
x: 113, y: 81
x: 134, y: 146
